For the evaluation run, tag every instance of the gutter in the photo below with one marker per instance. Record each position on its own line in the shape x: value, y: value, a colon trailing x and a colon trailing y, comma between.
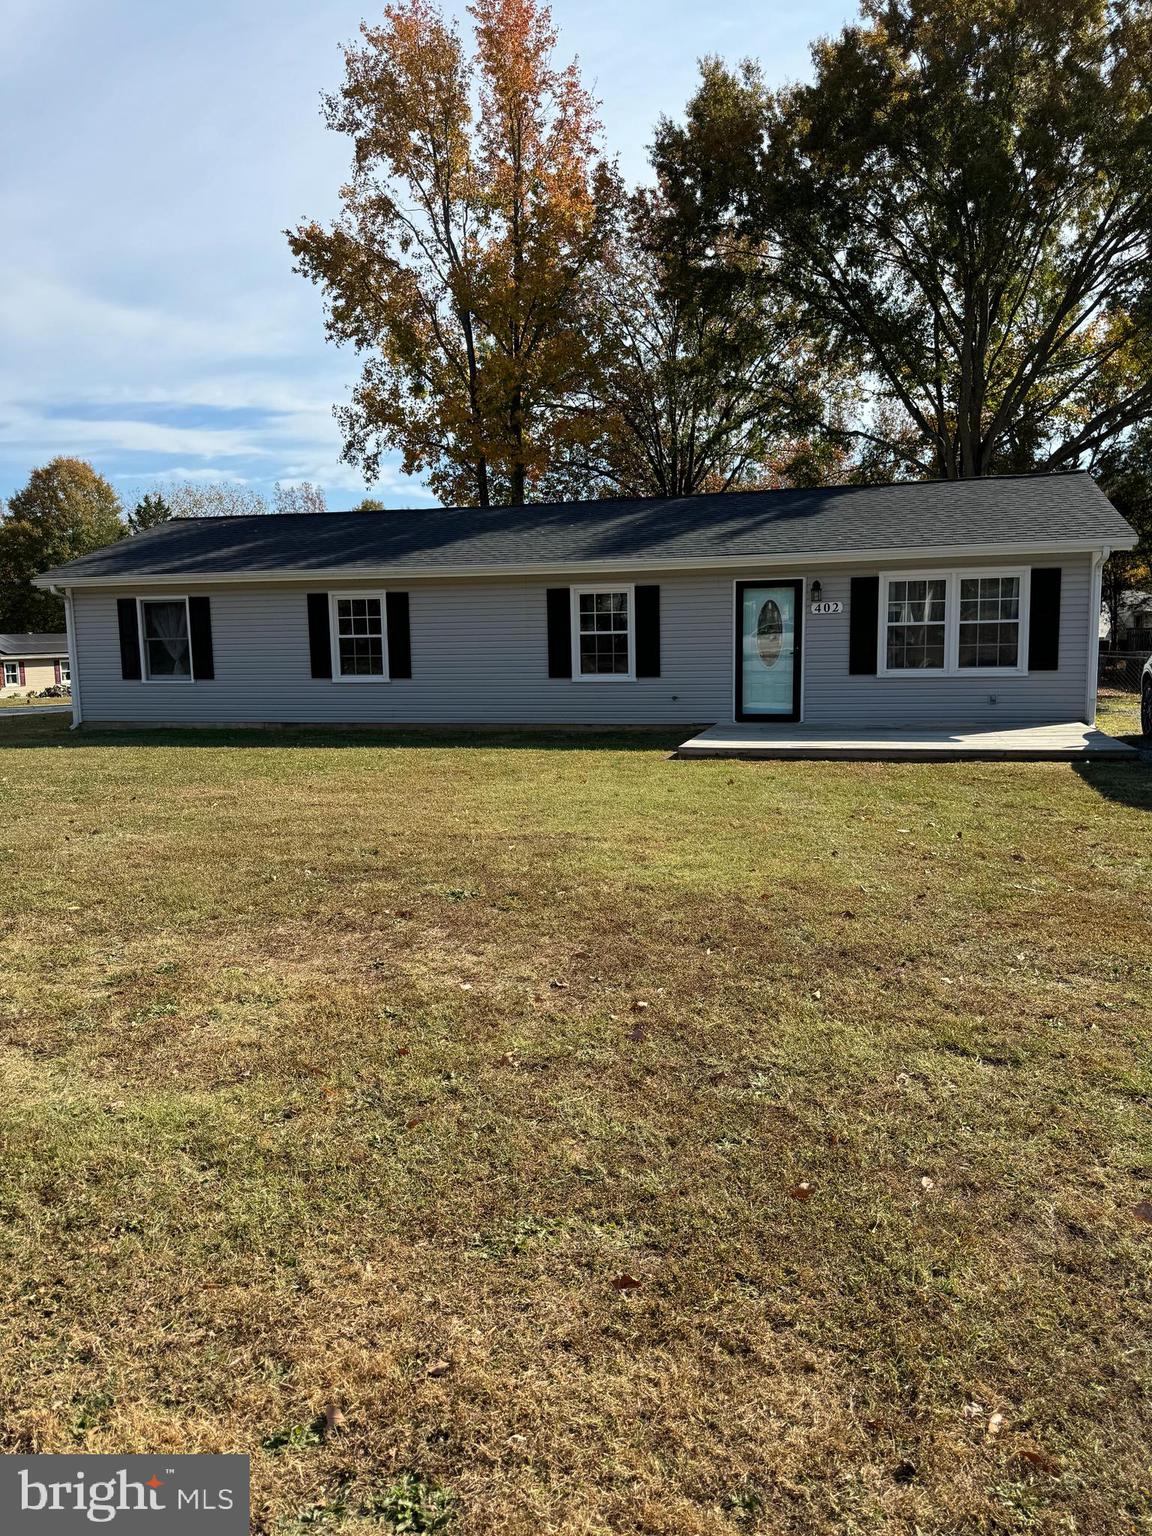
x: 575, y: 567
x: 70, y: 627
x: 1095, y: 598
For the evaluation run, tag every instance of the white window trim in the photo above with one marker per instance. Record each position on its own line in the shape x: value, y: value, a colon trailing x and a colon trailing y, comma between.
x: 575, y: 594
x: 16, y: 666
x: 379, y: 594
x: 178, y: 682
x: 952, y: 579
x: 65, y: 666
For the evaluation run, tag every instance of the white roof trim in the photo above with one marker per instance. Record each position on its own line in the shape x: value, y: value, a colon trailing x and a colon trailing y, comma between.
x: 579, y: 568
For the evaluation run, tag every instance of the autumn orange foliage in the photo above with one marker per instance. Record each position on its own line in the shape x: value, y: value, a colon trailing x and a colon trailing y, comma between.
x: 478, y: 207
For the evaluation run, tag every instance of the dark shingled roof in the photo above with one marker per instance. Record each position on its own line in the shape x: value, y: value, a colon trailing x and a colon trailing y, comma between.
x: 1040, y: 510
x: 33, y: 645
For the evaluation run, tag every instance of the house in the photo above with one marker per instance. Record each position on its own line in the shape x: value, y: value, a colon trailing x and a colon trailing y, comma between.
x: 1134, y: 630
x: 965, y: 602
x: 29, y: 663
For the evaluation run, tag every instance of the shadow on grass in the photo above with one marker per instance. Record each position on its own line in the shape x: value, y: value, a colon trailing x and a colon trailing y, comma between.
x: 56, y: 732
x: 1128, y: 783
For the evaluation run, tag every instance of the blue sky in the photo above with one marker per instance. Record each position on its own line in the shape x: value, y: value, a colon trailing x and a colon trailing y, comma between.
x: 154, y: 151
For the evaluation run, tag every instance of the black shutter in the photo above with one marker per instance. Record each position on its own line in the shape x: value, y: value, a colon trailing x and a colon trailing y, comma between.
x: 863, y: 618
x: 559, y: 632
x: 1044, y: 619
x: 129, y: 639
x: 319, y: 634
x: 200, y: 625
x: 399, y: 635
x: 647, y: 631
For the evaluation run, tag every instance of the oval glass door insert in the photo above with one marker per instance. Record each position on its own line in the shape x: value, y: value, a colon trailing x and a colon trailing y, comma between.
x: 769, y: 632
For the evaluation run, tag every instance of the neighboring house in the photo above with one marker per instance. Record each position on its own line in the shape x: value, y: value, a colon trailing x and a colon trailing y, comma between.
x: 29, y: 663
x: 1134, y: 631
x: 950, y: 602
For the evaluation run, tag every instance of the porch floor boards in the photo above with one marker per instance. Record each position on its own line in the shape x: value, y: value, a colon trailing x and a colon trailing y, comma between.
x: 1062, y: 741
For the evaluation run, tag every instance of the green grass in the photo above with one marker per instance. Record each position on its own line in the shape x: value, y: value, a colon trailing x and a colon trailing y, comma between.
x: 343, y: 1077
x: 25, y: 701
x: 1119, y: 713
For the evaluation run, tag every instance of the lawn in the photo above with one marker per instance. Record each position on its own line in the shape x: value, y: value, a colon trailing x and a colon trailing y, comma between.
x: 528, y: 1137
x: 28, y: 700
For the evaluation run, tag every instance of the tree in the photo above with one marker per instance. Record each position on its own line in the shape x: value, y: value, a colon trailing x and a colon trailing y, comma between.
x: 478, y: 209
x: 213, y: 498
x: 149, y: 512
x: 65, y: 510
x: 1125, y: 475
x: 700, y: 381
x: 302, y: 496
x: 960, y: 203
x: 370, y: 504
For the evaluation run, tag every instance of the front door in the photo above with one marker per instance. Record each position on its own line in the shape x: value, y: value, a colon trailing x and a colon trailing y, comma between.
x: 768, y: 634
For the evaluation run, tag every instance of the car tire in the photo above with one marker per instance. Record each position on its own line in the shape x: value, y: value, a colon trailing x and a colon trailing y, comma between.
x: 1146, y: 709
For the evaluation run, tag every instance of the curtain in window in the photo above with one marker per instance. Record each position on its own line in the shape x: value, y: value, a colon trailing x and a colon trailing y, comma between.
x: 166, y: 630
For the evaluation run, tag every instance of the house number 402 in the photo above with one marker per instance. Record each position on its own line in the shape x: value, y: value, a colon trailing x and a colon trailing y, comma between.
x: 827, y: 607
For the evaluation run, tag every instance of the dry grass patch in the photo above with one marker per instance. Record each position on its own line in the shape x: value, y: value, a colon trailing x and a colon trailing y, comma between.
x: 327, y: 1083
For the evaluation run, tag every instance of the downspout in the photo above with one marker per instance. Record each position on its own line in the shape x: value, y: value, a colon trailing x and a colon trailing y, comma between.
x: 1095, y: 589
x: 70, y: 627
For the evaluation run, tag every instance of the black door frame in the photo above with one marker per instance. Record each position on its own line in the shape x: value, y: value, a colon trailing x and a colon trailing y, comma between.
x: 798, y: 658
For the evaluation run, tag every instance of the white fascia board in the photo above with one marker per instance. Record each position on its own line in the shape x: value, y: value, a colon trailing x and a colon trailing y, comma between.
x: 581, y: 569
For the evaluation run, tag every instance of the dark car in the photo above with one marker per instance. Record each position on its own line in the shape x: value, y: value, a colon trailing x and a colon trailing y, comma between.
x: 1146, y: 699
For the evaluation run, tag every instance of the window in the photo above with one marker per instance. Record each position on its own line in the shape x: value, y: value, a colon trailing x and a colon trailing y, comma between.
x: 358, y: 637
x: 11, y: 674
x: 66, y: 670
x: 989, y: 621
x: 953, y: 622
x: 602, y: 624
x: 916, y: 612
x: 165, y: 644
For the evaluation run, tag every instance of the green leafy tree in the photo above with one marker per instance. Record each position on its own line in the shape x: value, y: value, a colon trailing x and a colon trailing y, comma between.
x: 65, y: 510
x: 700, y: 380
x: 370, y: 504
x: 149, y: 512
x: 960, y: 204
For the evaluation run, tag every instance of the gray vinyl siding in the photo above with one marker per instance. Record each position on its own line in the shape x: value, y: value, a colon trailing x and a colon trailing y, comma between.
x: 479, y: 656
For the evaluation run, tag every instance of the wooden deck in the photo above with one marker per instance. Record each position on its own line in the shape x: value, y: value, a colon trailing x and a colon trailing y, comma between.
x: 1062, y: 742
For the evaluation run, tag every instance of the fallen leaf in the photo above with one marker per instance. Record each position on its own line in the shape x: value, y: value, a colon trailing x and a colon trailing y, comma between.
x: 801, y: 1191
x: 439, y: 1368
x: 972, y: 1411
x: 1038, y: 1459
x: 638, y: 1035
x: 927, y: 1183
x: 402, y: 1050
x: 1144, y: 1210
x: 334, y: 1420
x: 625, y: 1283
x: 640, y: 1005
x: 558, y: 986
x: 414, y: 1122
x: 465, y: 986
x: 995, y: 1424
